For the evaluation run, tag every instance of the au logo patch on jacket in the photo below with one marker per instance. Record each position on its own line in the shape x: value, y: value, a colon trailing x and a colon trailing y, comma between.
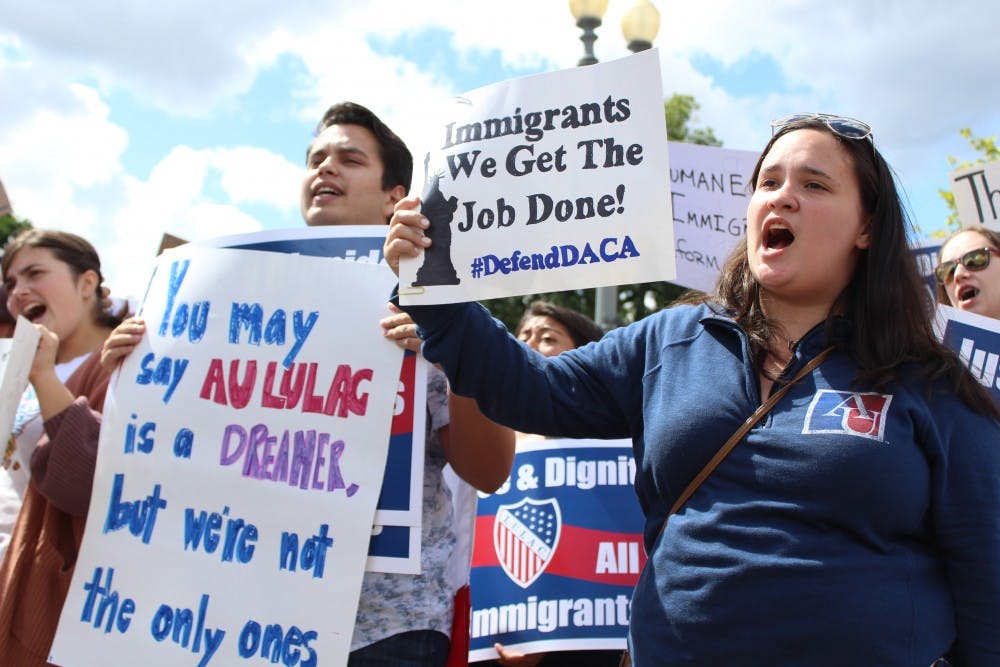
x: 861, y: 414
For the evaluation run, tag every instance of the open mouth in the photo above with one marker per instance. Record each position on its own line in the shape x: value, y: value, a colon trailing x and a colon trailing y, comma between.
x: 967, y: 292
x: 34, y: 311
x: 777, y: 237
x: 327, y: 190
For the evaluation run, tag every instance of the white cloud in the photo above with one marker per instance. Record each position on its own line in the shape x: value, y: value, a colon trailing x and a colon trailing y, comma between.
x: 58, y: 148
x: 174, y: 200
x: 916, y: 70
x: 61, y: 167
x: 186, y: 56
x: 256, y: 176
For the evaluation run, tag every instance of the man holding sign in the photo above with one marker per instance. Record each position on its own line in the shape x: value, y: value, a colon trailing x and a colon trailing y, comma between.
x: 356, y: 170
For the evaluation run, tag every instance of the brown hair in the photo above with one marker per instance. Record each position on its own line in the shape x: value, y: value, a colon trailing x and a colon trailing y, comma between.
x: 74, y: 251
x: 581, y: 328
x: 886, y: 302
x: 397, y: 162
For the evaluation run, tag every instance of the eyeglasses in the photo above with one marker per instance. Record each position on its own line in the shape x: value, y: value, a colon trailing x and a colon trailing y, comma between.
x: 849, y: 128
x: 974, y: 260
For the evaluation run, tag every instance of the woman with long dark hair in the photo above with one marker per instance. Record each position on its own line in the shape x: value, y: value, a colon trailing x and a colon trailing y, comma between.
x: 857, y: 521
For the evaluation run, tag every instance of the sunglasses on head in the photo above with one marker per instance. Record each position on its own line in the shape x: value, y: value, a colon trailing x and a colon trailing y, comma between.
x: 974, y: 260
x: 849, y: 128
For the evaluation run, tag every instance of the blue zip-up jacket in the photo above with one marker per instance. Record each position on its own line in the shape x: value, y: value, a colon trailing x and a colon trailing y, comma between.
x: 850, y: 527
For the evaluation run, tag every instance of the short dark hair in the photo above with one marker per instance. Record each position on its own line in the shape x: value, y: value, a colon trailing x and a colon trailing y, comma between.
x: 74, y: 251
x: 397, y: 162
x: 581, y: 328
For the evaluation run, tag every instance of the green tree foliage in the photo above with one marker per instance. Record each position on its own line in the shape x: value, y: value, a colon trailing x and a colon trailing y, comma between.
x: 678, y: 111
x: 11, y: 226
x: 509, y: 309
x: 634, y: 301
x: 988, y: 152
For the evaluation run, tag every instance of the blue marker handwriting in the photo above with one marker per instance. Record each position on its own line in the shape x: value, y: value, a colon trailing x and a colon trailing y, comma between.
x: 167, y: 372
x: 205, y: 530
x: 179, y: 624
x: 250, y: 316
x: 139, y: 516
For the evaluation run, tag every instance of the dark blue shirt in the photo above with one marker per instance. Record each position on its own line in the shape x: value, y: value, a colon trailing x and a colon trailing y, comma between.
x: 852, y: 526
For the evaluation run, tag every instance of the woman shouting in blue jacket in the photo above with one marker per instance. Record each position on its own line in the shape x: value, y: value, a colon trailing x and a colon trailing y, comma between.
x: 858, y: 521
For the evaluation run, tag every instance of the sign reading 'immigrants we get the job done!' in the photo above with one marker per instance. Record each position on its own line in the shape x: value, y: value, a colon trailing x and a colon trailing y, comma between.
x: 548, y: 182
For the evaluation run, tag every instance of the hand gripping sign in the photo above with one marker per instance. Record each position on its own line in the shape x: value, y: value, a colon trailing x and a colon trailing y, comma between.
x: 241, y: 456
x: 548, y: 182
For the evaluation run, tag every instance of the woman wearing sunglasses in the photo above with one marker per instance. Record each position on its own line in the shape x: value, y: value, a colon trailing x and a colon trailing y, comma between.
x: 857, y: 522
x: 967, y: 278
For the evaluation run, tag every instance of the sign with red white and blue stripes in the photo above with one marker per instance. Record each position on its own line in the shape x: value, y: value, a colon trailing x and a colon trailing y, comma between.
x: 557, y: 550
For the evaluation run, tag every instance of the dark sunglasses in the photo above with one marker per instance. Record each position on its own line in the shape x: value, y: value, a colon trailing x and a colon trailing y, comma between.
x: 974, y: 260
x: 849, y: 128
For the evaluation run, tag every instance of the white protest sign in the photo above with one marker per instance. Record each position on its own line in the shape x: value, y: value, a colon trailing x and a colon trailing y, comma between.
x: 977, y: 194
x: 976, y: 340
x: 548, y: 182
x: 926, y: 255
x: 395, y: 544
x: 709, y: 187
x: 16, y: 355
x: 239, y: 463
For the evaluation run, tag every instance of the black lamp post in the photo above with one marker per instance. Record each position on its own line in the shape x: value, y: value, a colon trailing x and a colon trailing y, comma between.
x: 588, y: 15
x: 640, y: 24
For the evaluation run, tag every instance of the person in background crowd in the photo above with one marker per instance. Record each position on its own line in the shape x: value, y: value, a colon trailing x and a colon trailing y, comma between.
x: 53, y: 279
x: 356, y: 170
x: 551, y: 330
x: 857, y: 522
x: 967, y: 277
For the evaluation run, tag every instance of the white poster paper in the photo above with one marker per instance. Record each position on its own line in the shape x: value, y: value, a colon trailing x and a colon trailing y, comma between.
x: 976, y: 340
x: 548, y: 182
x: 977, y: 194
x: 16, y: 355
x: 240, y: 460
x: 710, y: 190
x: 395, y: 544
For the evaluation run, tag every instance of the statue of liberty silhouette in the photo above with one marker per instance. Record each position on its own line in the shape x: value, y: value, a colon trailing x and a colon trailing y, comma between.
x: 437, y: 268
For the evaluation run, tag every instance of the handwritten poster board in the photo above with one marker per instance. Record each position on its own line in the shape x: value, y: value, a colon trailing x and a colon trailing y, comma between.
x: 240, y: 459
x: 977, y: 194
x: 976, y: 339
x: 557, y: 550
x: 710, y: 191
x: 395, y: 542
x: 548, y: 182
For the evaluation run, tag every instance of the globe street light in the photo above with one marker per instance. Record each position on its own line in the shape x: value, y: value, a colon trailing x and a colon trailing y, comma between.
x: 588, y: 14
x: 640, y: 24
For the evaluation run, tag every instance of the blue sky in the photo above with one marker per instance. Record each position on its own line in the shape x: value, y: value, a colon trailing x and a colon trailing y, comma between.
x: 127, y: 120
